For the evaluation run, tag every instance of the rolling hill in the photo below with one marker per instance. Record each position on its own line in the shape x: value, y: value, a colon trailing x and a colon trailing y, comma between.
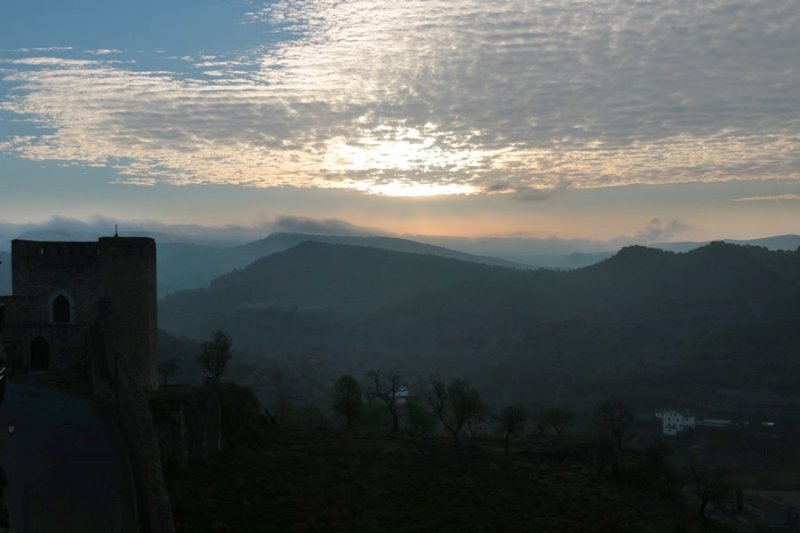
x: 187, y: 265
x: 641, y: 316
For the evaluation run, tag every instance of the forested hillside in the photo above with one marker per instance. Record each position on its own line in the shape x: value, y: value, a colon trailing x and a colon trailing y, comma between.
x: 649, y: 321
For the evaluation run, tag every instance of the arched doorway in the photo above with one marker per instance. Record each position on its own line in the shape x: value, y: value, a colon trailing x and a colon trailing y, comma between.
x: 40, y: 354
x: 61, y: 310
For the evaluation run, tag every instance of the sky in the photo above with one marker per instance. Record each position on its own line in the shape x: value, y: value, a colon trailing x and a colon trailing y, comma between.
x: 593, y: 119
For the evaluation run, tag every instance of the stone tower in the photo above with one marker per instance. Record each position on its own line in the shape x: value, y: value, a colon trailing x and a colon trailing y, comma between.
x: 128, y: 274
x: 65, y: 292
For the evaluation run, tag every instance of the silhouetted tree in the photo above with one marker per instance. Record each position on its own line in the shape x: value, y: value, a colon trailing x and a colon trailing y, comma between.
x: 475, y: 420
x: 215, y: 354
x: 454, y: 404
x: 167, y: 369
x: 655, y: 469
x: 556, y: 419
x: 384, y: 386
x: 541, y: 423
x: 711, y: 485
x: 614, y: 419
x: 347, y: 400
x: 420, y: 419
x: 511, y: 420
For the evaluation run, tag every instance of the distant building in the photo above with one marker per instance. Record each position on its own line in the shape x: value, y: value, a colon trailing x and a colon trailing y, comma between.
x: 674, y: 422
x: 401, y: 396
x: 714, y: 423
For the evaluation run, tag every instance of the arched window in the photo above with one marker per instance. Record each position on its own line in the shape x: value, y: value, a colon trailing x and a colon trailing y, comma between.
x: 40, y: 354
x: 61, y: 310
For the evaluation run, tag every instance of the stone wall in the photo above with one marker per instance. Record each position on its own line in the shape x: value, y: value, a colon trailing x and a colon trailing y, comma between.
x: 42, y: 270
x: 115, y: 382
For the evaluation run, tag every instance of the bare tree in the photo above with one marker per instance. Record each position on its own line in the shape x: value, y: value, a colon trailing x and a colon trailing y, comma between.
x: 511, y: 420
x: 615, y: 419
x: 167, y: 369
x: 215, y: 354
x: 541, y: 423
x: 475, y: 420
x: 556, y: 419
x: 384, y: 386
x: 455, y: 404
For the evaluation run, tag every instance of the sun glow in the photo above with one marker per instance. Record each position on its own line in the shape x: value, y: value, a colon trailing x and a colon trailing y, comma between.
x: 416, y: 190
x: 413, y: 155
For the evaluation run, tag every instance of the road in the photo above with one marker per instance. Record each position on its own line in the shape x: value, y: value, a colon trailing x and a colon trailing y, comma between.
x: 65, y: 466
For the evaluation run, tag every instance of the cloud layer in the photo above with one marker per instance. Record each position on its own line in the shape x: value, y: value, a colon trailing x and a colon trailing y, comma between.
x: 427, y: 97
x: 65, y: 229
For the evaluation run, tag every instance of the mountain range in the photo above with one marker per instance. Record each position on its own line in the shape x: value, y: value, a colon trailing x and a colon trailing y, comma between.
x: 650, y: 322
x: 187, y: 263
x: 185, y: 266
x: 193, y: 265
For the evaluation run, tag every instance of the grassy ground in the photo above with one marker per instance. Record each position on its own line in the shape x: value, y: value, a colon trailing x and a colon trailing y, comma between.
x: 367, y: 480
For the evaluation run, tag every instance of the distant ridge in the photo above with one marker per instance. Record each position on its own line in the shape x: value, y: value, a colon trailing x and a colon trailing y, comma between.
x: 777, y: 242
x: 351, y: 282
x: 284, y: 241
x: 188, y: 266
x: 660, y: 323
x: 577, y: 253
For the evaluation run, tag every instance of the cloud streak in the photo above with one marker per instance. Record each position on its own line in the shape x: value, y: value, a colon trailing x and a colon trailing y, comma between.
x: 439, y: 97
x: 770, y: 198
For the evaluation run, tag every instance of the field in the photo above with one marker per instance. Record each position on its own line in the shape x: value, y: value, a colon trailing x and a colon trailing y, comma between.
x: 372, y: 480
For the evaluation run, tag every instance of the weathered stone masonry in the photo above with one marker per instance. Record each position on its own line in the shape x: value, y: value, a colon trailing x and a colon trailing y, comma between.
x: 83, y: 314
x: 59, y: 291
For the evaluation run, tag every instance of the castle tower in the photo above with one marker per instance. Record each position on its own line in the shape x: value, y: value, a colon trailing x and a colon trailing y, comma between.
x: 61, y: 290
x: 129, y: 284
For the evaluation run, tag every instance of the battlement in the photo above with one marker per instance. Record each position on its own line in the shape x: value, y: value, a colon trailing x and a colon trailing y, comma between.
x: 47, y: 253
x: 132, y: 246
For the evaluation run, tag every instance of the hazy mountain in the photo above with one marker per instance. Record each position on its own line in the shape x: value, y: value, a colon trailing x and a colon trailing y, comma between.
x: 576, y: 253
x: 186, y: 266
x: 183, y: 265
x: 640, y: 315
x: 527, y: 250
x: 579, y: 259
x: 779, y: 242
x: 283, y: 241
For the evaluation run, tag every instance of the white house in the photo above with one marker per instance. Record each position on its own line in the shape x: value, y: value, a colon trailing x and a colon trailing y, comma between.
x: 402, y: 395
x: 673, y: 422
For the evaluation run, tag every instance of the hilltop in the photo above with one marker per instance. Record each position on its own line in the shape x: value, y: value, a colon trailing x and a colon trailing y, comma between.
x: 192, y: 265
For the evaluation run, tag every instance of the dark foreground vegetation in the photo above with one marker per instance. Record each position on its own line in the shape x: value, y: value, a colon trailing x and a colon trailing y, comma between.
x: 502, y: 409
x: 4, y: 518
x: 326, y: 479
